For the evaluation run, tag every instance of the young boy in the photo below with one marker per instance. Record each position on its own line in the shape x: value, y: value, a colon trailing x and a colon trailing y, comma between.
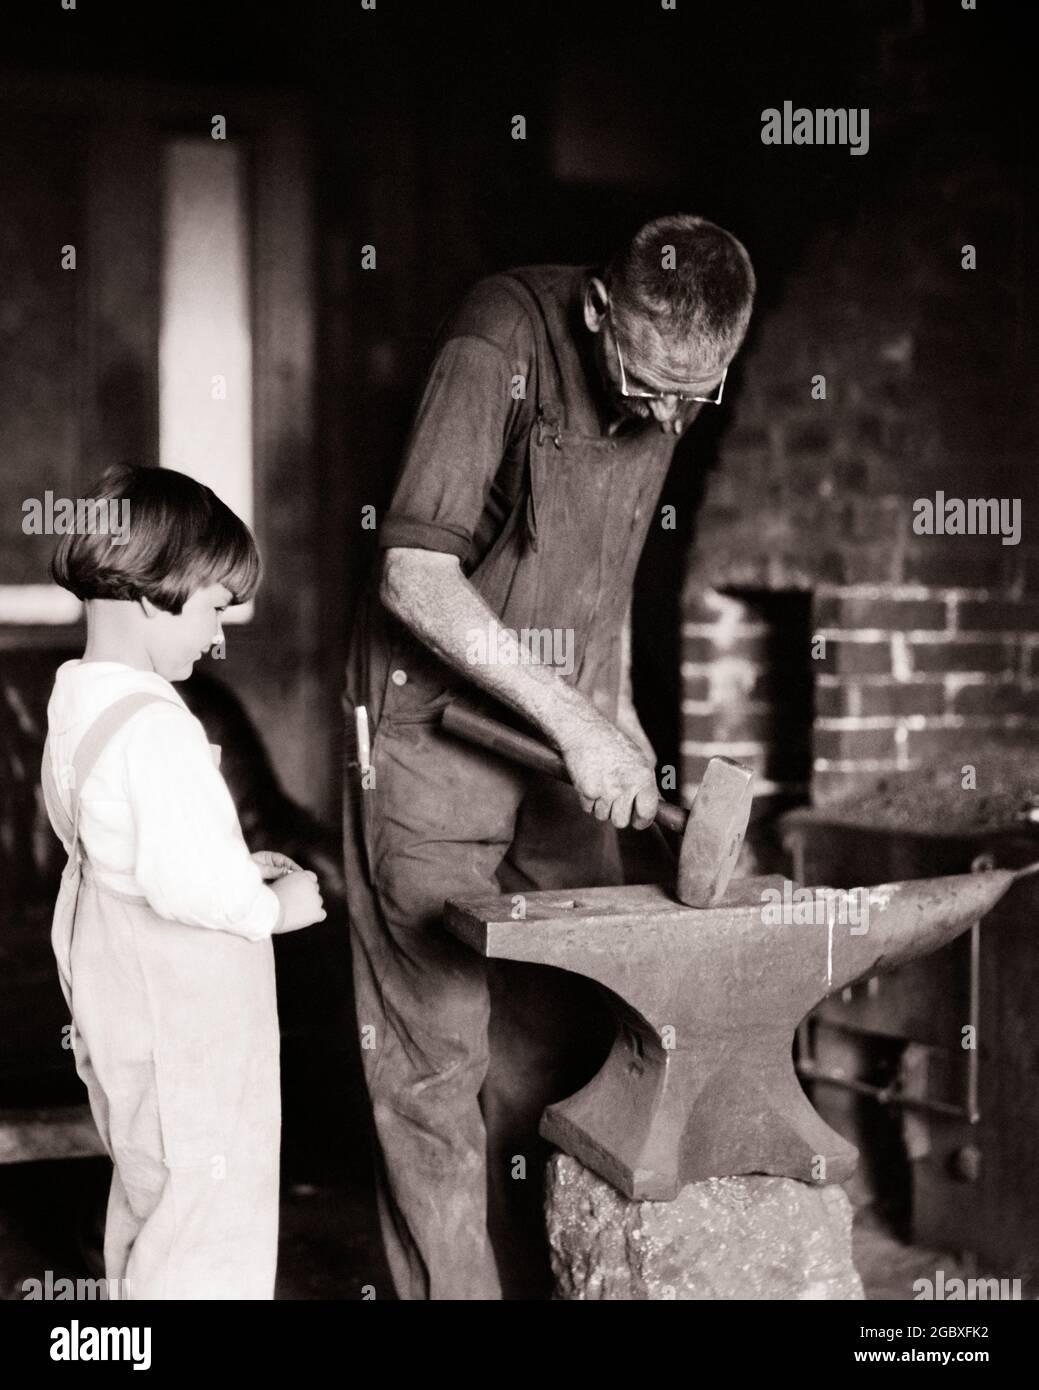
x: 163, y: 925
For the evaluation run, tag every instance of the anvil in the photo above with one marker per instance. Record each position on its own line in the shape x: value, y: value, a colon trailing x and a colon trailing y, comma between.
x: 700, y: 1080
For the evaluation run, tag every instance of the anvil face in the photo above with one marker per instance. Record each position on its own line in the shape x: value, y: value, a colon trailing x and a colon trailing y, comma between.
x: 700, y: 1082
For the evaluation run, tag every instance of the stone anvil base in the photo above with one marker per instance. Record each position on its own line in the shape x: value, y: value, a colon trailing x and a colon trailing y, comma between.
x: 724, y: 1238
x: 700, y: 1082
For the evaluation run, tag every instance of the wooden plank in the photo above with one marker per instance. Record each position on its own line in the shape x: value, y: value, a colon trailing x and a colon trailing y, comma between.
x: 29, y: 1136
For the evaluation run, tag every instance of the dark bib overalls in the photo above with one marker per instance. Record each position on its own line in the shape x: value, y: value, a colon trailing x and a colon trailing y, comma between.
x: 453, y: 1112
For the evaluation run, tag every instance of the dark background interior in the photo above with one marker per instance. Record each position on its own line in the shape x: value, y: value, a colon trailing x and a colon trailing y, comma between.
x: 392, y: 128
x: 631, y: 110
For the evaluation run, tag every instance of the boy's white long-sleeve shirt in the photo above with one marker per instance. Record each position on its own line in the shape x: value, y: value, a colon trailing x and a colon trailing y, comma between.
x: 156, y: 819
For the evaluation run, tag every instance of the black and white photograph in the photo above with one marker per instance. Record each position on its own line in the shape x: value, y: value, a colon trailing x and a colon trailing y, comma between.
x: 519, y: 670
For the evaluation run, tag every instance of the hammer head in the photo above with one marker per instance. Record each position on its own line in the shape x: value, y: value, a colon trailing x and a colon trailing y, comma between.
x: 714, y: 833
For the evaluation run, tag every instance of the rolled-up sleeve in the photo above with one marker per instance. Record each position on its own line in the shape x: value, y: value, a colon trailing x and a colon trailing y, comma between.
x: 191, y: 860
x: 455, y: 447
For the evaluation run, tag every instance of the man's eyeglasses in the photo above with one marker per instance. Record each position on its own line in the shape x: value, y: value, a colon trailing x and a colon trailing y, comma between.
x: 634, y: 392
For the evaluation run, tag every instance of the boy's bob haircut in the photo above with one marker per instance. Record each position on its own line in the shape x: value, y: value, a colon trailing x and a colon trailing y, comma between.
x: 181, y: 537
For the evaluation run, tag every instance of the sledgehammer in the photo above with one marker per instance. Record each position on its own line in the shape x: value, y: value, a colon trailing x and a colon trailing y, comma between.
x: 711, y: 832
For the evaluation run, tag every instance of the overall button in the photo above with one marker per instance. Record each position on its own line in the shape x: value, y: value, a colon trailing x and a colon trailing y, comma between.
x: 399, y: 677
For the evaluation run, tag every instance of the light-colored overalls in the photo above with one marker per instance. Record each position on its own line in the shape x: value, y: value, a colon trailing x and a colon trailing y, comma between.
x: 175, y: 1035
x: 461, y: 1055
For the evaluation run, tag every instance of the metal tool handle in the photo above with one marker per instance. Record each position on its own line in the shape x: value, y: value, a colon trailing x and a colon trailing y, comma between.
x: 520, y: 748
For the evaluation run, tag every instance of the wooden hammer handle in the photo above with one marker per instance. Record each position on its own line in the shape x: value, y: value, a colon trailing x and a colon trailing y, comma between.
x: 520, y: 748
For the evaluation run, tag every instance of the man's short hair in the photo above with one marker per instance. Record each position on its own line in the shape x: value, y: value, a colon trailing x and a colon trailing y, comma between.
x: 689, y: 277
x: 180, y: 538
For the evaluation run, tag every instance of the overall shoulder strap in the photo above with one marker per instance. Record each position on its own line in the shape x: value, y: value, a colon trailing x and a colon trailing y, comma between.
x: 550, y: 384
x: 99, y: 735
x: 60, y: 818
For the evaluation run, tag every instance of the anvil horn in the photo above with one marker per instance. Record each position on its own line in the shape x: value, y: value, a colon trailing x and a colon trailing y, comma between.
x: 913, y: 918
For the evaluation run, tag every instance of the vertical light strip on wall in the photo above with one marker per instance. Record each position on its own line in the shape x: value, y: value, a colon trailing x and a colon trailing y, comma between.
x: 205, y: 335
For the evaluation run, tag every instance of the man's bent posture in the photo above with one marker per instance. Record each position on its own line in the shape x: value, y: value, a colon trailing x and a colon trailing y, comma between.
x: 531, y: 476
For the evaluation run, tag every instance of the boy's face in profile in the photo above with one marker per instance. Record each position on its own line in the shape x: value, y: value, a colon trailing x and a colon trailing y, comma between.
x: 175, y: 641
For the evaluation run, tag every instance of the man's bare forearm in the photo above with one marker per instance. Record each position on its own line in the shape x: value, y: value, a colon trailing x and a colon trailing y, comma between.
x: 427, y: 591
x: 429, y: 594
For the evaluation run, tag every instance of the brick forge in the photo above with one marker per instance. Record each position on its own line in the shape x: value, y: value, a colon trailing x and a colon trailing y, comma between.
x: 823, y: 691
x: 807, y: 526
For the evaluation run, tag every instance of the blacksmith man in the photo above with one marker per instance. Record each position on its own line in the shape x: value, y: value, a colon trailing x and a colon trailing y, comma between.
x: 532, y: 473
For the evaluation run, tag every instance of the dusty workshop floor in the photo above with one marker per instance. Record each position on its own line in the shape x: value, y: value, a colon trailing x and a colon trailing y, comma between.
x: 329, y: 1243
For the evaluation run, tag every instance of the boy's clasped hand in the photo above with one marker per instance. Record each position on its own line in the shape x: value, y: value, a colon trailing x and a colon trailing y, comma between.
x: 297, y: 889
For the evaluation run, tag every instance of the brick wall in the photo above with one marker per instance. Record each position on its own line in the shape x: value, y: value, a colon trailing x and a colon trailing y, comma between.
x: 917, y: 673
x: 930, y: 640
x: 747, y: 690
